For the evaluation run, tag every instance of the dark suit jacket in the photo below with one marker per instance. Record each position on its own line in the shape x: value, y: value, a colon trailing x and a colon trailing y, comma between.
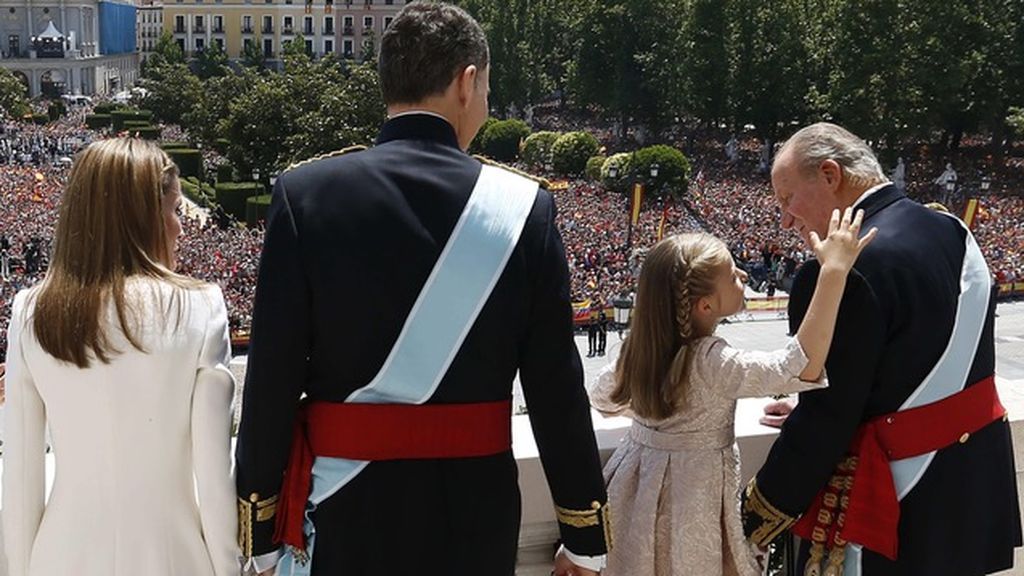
x: 895, y: 320
x: 350, y: 242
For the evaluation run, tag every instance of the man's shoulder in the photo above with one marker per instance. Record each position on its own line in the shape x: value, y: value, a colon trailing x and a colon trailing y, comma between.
x: 319, y: 162
x: 542, y: 182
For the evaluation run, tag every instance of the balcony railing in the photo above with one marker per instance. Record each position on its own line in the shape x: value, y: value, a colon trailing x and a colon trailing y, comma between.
x: 287, y: 30
x: 246, y: 29
x: 346, y: 31
x: 307, y: 31
x: 179, y: 29
x: 199, y: 29
x: 268, y: 29
x: 218, y: 29
x: 328, y: 31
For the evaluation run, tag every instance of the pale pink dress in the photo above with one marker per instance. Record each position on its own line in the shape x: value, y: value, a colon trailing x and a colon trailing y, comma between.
x: 673, y: 485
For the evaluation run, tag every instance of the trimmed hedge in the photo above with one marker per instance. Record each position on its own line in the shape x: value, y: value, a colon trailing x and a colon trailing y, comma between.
x: 189, y: 161
x: 569, y: 154
x: 147, y: 132
x: 623, y: 161
x: 673, y: 169
x: 40, y: 118
x: 97, y: 121
x: 502, y: 139
x: 476, y: 146
x: 232, y: 196
x: 120, y: 117
x: 536, y: 150
x: 135, y: 124
x: 594, y: 166
x: 256, y: 209
x: 225, y: 173
x: 174, y: 145
x: 106, y: 108
x: 55, y: 110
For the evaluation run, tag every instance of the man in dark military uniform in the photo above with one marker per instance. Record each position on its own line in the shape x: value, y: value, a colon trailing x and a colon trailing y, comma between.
x: 903, y: 466
x: 400, y: 475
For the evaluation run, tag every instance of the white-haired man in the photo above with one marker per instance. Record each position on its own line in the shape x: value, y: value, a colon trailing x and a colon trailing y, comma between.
x: 904, y: 464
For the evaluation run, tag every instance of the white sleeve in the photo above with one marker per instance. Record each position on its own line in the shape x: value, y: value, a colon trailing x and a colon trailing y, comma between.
x: 750, y: 374
x: 211, y: 441
x: 24, y: 477
x: 600, y: 394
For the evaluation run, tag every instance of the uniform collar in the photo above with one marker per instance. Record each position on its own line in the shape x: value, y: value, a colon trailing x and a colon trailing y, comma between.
x: 877, y: 198
x: 418, y: 126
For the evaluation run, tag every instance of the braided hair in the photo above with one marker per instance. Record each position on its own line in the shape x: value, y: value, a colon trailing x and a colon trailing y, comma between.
x: 653, y: 368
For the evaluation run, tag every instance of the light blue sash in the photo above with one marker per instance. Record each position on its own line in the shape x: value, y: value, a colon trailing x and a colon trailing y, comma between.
x: 458, y: 287
x: 949, y: 375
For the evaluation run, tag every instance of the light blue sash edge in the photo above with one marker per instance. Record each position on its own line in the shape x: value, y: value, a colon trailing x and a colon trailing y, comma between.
x: 852, y: 563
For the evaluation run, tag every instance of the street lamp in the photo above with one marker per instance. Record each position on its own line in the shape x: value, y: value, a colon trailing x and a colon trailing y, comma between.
x: 256, y: 175
x: 273, y: 179
x: 654, y: 171
x: 986, y: 183
x: 622, y: 307
x: 613, y: 171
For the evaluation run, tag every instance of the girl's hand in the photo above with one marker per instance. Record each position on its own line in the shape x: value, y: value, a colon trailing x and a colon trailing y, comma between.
x: 842, y: 246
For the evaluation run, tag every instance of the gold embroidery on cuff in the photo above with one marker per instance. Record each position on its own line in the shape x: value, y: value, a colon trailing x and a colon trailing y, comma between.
x: 773, y: 521
x: 245, y: 528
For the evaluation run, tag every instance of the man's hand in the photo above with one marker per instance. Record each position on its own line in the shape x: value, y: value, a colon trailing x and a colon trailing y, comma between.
x: 565, y: 567
x: 775, y: 413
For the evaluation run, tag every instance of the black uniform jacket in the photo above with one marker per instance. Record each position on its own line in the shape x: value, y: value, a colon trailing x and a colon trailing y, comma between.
x: 895, y: 321
x: 350, y: 242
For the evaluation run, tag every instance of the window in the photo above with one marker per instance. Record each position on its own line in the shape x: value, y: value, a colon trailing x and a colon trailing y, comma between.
x: 179, y: 24
x: 200, y: 45
x: 219, y: 42
x: 181, y: 44
x: 247, y: 24
x: 268, y: 47
x: 268, y: 24
x: 328, y: 46
x: 198, y: 27
x: 328, y: 25
x: 287, y: 25
x: 309, y: 47
x: 387, y: 21
x: 218, y: 24
x: 367, y: 23
x: 307, y: 25
x: 346, y: 48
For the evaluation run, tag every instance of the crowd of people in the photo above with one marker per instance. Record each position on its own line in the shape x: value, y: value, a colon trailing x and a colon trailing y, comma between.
x: 731, y: 200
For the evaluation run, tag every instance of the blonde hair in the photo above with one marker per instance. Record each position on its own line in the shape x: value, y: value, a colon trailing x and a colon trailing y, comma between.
x: 816, y: 143
x: 652, y: 370
x: 110, y: 228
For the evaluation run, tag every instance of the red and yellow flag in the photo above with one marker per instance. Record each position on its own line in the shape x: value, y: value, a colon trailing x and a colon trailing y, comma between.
x: 638, y: 196
x: 973, y: 206
x: 661, y: 225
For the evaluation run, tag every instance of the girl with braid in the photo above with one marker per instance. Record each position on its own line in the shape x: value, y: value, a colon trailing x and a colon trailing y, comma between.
x: 674, y: 483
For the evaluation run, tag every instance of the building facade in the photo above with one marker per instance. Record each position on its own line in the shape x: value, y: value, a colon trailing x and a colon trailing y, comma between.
x: 348, y: 28
x: 69, y: 46
x: 149, y: 26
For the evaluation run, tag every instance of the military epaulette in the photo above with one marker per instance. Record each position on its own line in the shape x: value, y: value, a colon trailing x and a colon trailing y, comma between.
x: 343, y: 151
x: 544, y: 183
x: 937, y: 206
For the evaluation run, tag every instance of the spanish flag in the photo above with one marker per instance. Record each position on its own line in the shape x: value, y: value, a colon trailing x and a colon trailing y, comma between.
x: 638, y: 196
x: 661, y: 225
x: 972, y: 209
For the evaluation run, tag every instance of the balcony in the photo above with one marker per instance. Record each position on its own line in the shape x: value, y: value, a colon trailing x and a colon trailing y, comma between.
x: 328, y: 31
x: 246, y: 29
x: 218, y: 29
x: 199, y: 29
x: 367, y: 30
x: 267, y: 29
x: 307, y: 31
x: 346, y: 31
x: 179, y: 29
x: 287, y: 30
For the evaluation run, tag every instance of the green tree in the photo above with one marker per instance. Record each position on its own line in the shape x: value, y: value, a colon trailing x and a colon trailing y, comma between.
x: 214, y: 103
x: 166, y: 52
x: 211, y: 62
x: 258, y: 125
x: 13, y: 93
x: 705, y: 61
x: 253, y: 56
x: 570, y: 153
x: 172, y: 91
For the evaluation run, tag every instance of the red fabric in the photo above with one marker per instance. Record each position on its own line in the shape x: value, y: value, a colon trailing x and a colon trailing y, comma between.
x: 383, y: 432
x: 873, y: 514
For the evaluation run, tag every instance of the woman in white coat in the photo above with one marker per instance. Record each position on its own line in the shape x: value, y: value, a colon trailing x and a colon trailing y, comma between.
x: 126, y: 362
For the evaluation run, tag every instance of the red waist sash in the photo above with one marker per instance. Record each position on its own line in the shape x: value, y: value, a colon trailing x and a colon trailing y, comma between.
x: 383, y: 432
x: 860, y: 504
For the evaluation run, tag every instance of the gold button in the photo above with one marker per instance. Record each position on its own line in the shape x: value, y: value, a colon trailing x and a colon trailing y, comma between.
x: 595, y: 505
x: 254, y: 497
x: 964, y: 437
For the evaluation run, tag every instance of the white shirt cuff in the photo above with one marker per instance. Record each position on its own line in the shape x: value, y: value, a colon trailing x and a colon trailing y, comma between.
x: 595, y: 563
x: 261, y: 563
